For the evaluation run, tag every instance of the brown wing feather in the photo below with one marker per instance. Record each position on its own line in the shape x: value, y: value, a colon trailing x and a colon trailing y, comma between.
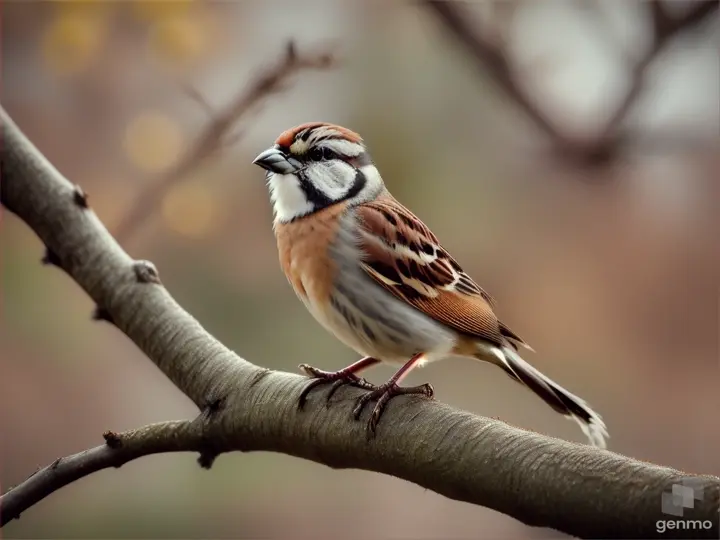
x: 405, y: 257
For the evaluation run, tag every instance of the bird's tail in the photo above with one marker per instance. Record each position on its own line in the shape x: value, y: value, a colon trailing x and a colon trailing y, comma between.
x: 562, y: 401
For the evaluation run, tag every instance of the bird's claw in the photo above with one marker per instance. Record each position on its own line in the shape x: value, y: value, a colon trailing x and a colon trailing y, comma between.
x: 383, y: 394
x: 338, y: 378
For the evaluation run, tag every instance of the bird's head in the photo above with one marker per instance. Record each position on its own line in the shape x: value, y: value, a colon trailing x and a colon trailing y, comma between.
x: 316, y: 165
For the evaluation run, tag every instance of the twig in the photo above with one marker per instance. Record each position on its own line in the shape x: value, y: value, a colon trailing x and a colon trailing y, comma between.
x: 119, y: 448
x: 603, y: 146
x: 540, y: 481
x: 269, y: 82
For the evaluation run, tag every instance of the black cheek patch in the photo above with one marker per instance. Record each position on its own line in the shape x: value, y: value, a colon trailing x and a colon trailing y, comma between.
x: 314, y: 196
x: 358, y: 184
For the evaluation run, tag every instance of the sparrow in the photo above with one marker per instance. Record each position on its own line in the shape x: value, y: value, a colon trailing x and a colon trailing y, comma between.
x: 374, y: 275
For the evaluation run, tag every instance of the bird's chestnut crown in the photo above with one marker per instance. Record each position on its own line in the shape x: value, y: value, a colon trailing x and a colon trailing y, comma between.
x: 316, y: 165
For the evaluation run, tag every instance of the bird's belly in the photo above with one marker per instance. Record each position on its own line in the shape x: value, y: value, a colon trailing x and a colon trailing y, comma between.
x: 346, y: 324
x: 374, y: 323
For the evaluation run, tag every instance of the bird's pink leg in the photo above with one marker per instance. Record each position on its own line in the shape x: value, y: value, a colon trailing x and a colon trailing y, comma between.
x: 385, y: 392
x: 338, y: 378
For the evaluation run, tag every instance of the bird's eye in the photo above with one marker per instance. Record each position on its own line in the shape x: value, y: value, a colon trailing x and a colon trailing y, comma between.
x: 320, y: 153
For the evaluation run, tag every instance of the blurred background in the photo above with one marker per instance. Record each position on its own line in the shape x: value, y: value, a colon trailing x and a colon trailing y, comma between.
x: 597, y: 237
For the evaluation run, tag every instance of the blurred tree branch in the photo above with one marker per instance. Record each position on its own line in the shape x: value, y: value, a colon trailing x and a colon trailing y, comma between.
x: 492, y: 57
x: 217, y: 133
x: 538, y: 480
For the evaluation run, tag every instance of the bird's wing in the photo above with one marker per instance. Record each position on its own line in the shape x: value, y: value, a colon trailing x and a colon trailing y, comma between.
x: 406, y: 258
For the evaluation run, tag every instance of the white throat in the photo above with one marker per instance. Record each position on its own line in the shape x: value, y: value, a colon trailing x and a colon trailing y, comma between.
x: 288, y: 198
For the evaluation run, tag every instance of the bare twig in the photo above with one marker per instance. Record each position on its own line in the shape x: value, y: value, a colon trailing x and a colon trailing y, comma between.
x: 119, y: 448
x: 607, y: 140
x: 213, y: 137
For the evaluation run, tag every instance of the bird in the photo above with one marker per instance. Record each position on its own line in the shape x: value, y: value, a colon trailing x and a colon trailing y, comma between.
x: 375, y: 276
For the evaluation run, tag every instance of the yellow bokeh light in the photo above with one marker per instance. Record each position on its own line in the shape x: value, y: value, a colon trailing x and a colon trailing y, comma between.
x: 153, y: 10
x: 153, y: 141
x: 95, y: 7
x: 73, y: 39
x: 191, y: 210
x: 182, y: 39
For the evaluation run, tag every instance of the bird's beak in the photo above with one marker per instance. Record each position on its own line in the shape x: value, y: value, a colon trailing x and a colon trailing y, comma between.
x: 275, y: 160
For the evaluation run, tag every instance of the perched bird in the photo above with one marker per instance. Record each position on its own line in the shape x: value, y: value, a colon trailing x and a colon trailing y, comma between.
x: 376, y: 277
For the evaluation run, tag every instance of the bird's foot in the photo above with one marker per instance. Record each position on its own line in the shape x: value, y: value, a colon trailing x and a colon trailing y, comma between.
x: 383, y: 394
x: 337, y: 378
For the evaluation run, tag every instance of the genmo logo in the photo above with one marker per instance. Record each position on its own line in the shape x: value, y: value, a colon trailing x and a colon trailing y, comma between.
x: 676, y: 500
x: 663, y: 525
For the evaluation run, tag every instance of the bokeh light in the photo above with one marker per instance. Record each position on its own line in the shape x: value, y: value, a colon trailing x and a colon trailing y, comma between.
x: 191, y: 210
x: 74, y: 37
x: 153, y: 141
x: 180, y: 39
x: 154, y: 10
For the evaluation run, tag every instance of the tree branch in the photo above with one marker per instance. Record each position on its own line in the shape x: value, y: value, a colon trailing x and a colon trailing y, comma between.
x: 119, y: 448
x: 604, y: 145
x: 536, y: 479
x: 271, y: 81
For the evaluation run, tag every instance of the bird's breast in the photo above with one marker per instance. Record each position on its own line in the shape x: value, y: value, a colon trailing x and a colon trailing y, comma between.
x: 303, y: 248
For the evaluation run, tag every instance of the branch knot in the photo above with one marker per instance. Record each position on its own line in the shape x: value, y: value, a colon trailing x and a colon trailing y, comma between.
x: 146, y: 272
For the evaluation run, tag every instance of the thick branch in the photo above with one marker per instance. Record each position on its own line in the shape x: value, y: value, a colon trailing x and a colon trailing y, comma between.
x: 536, y: 479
